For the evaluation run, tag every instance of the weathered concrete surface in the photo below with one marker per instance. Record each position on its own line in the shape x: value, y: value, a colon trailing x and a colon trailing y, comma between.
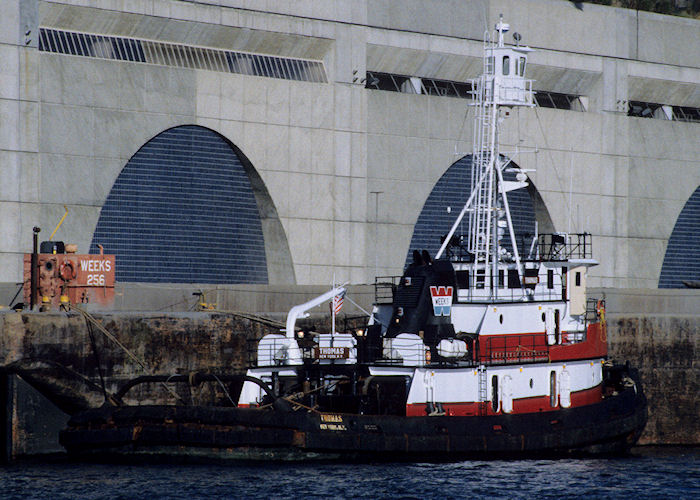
x: 658, y: 332
x: 36, y: 343
x: 665, y: 349
x: 31, y: 421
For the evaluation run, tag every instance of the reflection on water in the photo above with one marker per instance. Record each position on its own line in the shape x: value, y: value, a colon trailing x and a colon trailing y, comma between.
x: 647, y: 473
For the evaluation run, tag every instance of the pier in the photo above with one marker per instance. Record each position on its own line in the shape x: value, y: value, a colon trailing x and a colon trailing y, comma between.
x: 54, y: 363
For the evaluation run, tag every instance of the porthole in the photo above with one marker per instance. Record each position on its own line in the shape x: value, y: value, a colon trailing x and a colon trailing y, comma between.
x: 500, y: 319
x: 543, y: 320
x: 531, y: 384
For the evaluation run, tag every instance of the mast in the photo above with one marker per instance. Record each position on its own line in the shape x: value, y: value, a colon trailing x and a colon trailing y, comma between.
x: 501, y: 85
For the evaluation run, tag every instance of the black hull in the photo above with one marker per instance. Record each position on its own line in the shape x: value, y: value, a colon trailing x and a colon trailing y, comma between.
x: 194, y: 433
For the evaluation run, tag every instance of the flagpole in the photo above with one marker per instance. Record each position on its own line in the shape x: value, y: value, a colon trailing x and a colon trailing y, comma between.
x: 333, y: 313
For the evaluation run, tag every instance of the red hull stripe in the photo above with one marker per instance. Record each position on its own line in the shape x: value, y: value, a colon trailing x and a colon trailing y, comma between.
x: 524, y: 405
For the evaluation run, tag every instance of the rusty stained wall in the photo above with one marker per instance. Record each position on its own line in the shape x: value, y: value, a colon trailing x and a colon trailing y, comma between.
x: 46, y: 344
x: 664, y: 348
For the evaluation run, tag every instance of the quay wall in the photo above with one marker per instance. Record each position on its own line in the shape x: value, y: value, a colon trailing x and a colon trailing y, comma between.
x: 657, y: 332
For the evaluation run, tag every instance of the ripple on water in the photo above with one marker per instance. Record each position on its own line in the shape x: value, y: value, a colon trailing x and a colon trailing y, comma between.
x: 657, y: 474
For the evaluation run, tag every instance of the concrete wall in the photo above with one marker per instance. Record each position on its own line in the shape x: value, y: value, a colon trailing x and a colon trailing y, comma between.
x: 657, y: 332
x: 69, y: 124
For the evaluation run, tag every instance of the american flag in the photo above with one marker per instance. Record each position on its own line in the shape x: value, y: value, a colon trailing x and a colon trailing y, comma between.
x: 337, y: 303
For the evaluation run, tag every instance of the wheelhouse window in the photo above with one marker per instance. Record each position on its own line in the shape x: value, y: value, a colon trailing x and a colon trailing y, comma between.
x: 506, y: 65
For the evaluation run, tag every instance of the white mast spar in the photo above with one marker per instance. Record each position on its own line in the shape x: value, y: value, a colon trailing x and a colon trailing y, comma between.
x: 502, y: 84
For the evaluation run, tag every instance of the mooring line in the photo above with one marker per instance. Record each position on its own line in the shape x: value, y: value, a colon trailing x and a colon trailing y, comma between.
x: 105, y: 332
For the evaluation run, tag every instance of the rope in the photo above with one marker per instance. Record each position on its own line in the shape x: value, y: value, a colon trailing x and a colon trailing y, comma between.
x: 224, y: 388
x: 363, y: 310
x: 297, y: 403
x: 89, y: 317
x: 290, y: 399
x: 97, y: 358
x: 252, y: 317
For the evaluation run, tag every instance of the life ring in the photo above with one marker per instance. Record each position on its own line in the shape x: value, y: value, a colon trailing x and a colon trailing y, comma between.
x: 427, y: 356
x: 67, y: 271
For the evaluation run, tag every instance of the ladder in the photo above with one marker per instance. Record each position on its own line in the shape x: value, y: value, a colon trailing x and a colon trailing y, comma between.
x: 484, y: 158
x: 482, y: 389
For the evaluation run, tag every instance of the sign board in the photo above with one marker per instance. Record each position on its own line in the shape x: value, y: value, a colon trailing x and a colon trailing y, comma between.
x: 331, y: 352
x: 442, y: 300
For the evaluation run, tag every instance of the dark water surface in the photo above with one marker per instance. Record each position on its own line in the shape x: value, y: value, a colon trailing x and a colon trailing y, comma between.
x: 646, y: 473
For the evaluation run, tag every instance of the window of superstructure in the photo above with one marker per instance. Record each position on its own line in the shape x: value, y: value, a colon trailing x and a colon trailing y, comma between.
x: 513, y: 278
x: 462, y: 279
x: 506, y: 65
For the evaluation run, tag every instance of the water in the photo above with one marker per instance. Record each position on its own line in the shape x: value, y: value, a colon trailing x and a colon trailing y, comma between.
x: 647, y: 473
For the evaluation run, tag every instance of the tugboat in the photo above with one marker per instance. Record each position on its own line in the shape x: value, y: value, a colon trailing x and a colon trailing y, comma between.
x: 479, y: 350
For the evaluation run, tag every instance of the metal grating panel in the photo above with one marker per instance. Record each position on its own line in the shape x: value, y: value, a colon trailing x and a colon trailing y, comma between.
x: 453, y: 190
x: 183, y: 211
x: 430, y: 86
x: 682, y: 259
x: 183, y: 56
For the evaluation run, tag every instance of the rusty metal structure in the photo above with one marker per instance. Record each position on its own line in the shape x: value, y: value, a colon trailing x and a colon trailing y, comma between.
x: 68, y: 278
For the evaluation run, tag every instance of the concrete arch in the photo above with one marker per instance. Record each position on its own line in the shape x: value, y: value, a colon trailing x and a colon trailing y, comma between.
x: 449, y: 195
x: 682, y: 259
x: 190, y: 207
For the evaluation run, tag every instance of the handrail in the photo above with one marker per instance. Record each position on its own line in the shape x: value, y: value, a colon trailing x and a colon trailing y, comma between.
x: 491, y: 350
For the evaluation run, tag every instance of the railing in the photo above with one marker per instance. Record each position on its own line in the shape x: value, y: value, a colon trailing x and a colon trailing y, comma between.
x: 563, y: 246
x: 457, y: 249
x: 476, y: 292
x: 595, y: 308
x: 498, y: 350
x: 531, y: 348
x: 385, y: 288
x: 477, y: 289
